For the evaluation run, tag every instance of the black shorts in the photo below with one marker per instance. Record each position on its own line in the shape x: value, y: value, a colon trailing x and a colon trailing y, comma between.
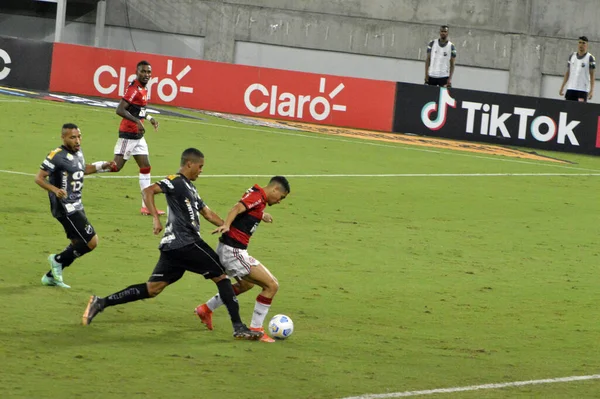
x: 576, y: 95
x: 197, y: 258
x: 437, y: 81
x: 77, y: 226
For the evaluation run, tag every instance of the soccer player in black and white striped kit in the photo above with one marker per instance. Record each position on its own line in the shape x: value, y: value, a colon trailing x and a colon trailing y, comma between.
x: 580, y: 76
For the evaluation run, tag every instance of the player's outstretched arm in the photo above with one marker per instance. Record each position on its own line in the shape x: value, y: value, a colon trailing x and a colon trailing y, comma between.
x: 41, y: 179
x: 149, y: 193
x: 236, y: 210
x: 211, y: 216
x: 100, y: 167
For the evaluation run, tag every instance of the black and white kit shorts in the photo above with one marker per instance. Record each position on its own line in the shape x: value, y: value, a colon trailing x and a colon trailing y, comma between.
x: 197, y: 258
x: 77, y: 226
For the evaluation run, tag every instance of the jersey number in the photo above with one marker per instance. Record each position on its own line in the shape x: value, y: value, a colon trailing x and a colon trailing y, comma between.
x: 76, y: 183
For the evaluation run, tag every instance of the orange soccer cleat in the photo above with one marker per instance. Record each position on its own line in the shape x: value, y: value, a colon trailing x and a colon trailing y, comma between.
x: 205, y: 315
x: 265, y: 337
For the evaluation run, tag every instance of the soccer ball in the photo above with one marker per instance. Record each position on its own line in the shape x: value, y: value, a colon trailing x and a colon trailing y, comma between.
x: 281, y: 326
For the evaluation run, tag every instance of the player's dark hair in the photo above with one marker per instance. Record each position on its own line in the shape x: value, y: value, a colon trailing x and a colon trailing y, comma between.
x: 192, y: 155
x: 444, y: 27
x: 70, y: 126
x: 282, y: 181
x: 142, y: 62
x: 583, y: 38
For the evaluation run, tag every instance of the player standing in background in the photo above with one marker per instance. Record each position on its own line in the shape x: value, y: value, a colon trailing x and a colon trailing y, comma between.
x: 439, y: 65
x: 580, y: 77
x: 181, y: 248
x: 240, y: 224
x: 61, y: 174
x: 132, y: 109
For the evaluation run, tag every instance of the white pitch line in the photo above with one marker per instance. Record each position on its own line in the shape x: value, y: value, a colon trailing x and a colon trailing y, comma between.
x: 13, y: 101
x: 317, y: 136
x: 476, y: 387
x: 348, y: 175
x: 401, y: 146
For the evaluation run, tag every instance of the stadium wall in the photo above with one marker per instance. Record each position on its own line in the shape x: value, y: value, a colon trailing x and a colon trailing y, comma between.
x: 508, y: 46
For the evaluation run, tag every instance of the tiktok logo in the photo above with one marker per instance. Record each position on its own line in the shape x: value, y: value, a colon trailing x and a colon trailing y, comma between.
x: 440, y: 107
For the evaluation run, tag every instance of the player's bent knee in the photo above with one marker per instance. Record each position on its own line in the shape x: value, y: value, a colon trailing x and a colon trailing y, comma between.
x: 93, y: 243
x: 155, y: 288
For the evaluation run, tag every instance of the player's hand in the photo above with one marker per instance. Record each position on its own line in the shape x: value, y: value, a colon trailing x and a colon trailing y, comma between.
x: 221, y: 229
x: 141, y: 128
x: 561, y: 92
x: 109, y: 166
x: 590, y: 95
x: 154, y: 123
x: 156, y: 225
x: 267, y: 218
x: 60, y: 193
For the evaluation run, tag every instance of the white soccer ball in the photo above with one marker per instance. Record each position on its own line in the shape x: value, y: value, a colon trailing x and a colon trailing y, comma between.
x: 281, y: 326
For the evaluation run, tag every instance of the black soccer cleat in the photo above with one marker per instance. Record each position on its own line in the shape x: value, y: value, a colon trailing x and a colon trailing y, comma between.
x: 93, y: 308
x: 243, y: 332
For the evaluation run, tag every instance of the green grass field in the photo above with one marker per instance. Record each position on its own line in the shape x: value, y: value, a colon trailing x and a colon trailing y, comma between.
x: 394, y: 283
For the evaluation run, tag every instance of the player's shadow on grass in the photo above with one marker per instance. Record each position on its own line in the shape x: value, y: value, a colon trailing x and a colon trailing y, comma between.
x: 16, y: 289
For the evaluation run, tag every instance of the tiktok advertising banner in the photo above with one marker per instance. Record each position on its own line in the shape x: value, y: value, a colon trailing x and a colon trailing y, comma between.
x: 229, y: 88
x: 25, y: 63
x: 556, y: 125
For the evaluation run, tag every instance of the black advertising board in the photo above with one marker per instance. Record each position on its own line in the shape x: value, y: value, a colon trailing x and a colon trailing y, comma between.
x: 556, y: 125
x: 25, y: 63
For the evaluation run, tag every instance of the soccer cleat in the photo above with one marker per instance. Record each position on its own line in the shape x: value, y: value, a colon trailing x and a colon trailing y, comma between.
x: 242, y: 332
x: 93, y: 308
x: 144, y: 211
x: 205, y: 315
x: 48, y: 281
x: 56, y: 269
x: 265, y: 337
x: 51, y: 282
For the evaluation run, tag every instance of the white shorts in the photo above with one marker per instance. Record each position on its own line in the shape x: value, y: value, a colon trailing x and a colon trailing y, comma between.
x: 235, y: 261
x: 129, y: 147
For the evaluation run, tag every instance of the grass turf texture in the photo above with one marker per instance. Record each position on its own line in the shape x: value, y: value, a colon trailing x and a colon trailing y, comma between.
x: 393, y: 283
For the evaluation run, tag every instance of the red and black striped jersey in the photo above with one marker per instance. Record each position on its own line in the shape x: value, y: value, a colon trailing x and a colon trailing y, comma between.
x: 137, y: 98
x: 245, y: 224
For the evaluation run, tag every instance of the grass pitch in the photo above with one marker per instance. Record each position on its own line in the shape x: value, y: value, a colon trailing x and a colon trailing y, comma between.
x: 394, y: 283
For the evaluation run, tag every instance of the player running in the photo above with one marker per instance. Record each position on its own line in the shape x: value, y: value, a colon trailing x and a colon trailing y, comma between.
x: 61, y: 174
x: 240, y: 224
x: 132, y: 109
x: 181, y: 248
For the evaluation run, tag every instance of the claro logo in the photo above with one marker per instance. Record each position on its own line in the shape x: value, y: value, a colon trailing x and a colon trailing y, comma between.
x: 6, y: 59
x: 291, y: 105
x: 107, y: 80
x: 492, y: 123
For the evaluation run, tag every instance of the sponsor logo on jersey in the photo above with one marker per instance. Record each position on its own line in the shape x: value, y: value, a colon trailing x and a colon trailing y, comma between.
x: 48, y: 164
x: 54, y: 152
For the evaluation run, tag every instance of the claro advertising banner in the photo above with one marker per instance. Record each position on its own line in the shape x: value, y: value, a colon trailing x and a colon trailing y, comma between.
x: 230, y: 88
x: 25, y: 63
x: 546, y: 124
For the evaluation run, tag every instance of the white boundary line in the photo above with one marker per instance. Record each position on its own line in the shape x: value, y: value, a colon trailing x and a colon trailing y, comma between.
x: 476, y: 387
x: 157, y: 175
x: 318, y: 136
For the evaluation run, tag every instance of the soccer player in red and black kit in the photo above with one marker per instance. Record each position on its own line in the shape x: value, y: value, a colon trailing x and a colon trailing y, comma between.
x: 181, y: 248
x: 132, y: 109
x: 240, y: 224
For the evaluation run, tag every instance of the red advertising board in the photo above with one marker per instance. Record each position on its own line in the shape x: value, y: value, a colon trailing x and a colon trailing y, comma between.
x: 229, y: 88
